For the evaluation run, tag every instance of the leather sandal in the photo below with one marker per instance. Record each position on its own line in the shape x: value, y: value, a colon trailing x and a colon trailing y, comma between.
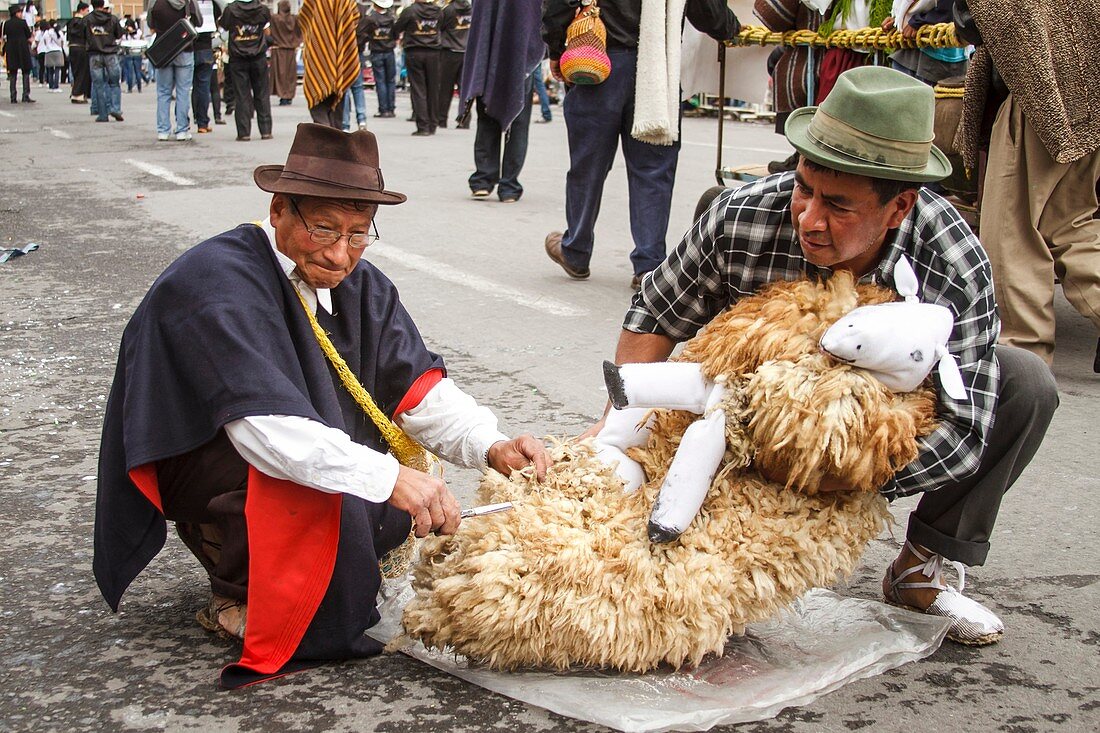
x: 972, y: 623
x: 210, y: 618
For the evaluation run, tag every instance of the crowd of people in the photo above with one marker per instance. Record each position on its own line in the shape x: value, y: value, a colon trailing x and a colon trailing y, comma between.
x: 246, y: 54
x: 863, y: 190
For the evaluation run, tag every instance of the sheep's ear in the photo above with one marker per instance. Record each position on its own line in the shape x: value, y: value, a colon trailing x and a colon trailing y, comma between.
x: 905, y: 280
x: 950, y: 376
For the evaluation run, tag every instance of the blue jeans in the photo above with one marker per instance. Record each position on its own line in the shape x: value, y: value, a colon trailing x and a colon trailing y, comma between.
x: 385, y: 77
x: 544, y: 98
x: 177, y: 75
x: 131, y: 71
x: 493, y: 169
x: 597, y: 117
x: 106, y: 84
x: 356, y: 92
x: 200, y: 90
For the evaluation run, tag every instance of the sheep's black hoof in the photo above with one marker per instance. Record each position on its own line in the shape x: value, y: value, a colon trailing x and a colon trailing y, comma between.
x: 616, y: 390
x: 659, y: 535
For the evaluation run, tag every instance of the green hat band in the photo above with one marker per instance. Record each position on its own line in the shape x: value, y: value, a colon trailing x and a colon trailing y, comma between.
x: 840, y: 137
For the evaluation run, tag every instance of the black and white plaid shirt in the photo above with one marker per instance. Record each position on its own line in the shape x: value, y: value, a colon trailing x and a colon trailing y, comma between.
x: 747, y: 240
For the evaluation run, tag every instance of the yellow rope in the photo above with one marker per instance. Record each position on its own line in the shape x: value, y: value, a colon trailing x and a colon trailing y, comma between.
x: 943, y: 92
x: 406, y: 450
x: 941, y: 35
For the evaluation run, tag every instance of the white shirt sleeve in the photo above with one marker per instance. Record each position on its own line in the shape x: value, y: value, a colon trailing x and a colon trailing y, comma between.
x: 449, y: 423
x: 311, y: 454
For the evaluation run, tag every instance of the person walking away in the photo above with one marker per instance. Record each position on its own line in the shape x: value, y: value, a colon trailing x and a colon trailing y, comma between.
x: 383, y: 61
x: 418, y: 28
x: 453, y: 32
x: 639, y: 104
x: 49, y: 43
x: 77, y: 33
x: 133, y: 46
x: 104, y: 34
x: 17, y: 52
x: 1039, y: 197
x: 330, y: 57
x: 285, y: 37
x: 204, y: 65
x: 175, y: 79
x: 503, y: 48
x: 355, y: 95
x: 245, y: 21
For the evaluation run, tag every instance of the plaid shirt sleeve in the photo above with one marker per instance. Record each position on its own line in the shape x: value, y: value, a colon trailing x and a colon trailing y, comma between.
x: 953, y: 271
x: 745, y: 240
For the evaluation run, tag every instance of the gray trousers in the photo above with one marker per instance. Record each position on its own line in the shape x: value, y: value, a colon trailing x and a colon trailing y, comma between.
x: 957, y: 519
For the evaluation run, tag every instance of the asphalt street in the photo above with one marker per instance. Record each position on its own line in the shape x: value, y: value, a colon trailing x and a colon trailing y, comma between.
x: 111, y: 207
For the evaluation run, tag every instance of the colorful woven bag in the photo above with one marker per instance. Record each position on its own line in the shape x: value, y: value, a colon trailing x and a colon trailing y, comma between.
x: 585, y: 59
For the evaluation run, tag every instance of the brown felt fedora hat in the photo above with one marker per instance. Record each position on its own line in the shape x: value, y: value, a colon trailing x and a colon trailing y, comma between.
x: 329, y: 163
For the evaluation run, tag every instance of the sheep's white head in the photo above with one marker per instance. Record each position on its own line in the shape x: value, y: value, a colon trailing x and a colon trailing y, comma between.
x: 898, y: 343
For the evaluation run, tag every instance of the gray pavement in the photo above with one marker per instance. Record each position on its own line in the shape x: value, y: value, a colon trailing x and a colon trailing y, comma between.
x: 519, y: 335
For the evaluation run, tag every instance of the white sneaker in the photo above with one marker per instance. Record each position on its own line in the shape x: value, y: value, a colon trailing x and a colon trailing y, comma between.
x: 972, y: 623
x: 162, y: 136
x: 362, y: 126
x: 183, y: 136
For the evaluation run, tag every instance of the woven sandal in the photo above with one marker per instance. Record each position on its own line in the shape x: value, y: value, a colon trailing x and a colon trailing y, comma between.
x: 210, y: 618
x: 972, y: 623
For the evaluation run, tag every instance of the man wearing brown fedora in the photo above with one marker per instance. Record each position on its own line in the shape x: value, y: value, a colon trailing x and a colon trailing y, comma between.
x: 855, y: 202
x: 259, y: 386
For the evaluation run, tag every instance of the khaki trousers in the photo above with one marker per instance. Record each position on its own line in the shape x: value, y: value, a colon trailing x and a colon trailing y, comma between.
x: 1037, y: 223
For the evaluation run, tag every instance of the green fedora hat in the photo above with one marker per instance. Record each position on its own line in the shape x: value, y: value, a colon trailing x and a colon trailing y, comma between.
x: 875, y: 122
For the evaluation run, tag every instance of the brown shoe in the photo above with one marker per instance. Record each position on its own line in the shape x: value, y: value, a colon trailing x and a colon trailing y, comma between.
x: 553, y: 251
x: 204, y: 130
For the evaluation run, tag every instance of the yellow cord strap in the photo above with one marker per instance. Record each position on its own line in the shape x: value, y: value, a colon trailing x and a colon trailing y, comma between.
x: 406, y: 450
x: 940, y: 35
x: 396, y: 562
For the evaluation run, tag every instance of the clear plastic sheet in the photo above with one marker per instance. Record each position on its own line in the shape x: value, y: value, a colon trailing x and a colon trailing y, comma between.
x: 821, y: 644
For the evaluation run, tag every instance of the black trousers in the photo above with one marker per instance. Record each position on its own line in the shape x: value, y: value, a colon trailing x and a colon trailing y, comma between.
x: 422, y: 65
x: 957, y: 520
x: 82, y: 75
x: 450, y: 73
x: 325, y: 114
x: 493, y: 169
x: 26, y: 82
x: 251, y: 94
x: 203, y: 492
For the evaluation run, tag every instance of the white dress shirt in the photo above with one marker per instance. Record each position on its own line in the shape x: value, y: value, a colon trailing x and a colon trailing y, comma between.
x: 447, y: 422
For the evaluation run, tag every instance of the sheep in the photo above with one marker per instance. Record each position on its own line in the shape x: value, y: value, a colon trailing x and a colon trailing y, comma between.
x: 570, y: 578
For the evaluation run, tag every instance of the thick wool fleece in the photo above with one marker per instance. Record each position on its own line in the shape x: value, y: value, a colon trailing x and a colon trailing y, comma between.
x: 570, y: 578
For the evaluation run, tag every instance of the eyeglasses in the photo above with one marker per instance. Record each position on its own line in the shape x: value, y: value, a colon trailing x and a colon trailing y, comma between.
x: 327, y: 237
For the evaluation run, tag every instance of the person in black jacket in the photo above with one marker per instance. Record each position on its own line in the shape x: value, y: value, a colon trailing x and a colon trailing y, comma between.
x: 245, y: 21
x: 418, y: 26
x: 378, y: 26
x: 104, y: 31
x: 77, y: 33
x: 597, y: 116
x: 454, y: 29
x: 17, y: 52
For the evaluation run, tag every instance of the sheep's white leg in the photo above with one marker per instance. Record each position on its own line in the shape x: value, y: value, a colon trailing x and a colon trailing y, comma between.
x: 689, y: 477
x: 673, y: 385
x: 624, y: 429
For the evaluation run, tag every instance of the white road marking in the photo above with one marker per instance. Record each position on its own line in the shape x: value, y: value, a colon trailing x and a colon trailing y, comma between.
x: 774, y: 151
x: 450, y: 274
x: 59, y: 133
x: 156, y: 170
x: 6, y: 114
